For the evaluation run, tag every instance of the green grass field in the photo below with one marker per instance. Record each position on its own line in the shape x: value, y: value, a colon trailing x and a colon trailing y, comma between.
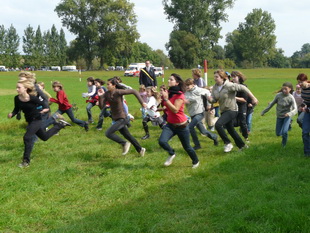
x: 79, y: 182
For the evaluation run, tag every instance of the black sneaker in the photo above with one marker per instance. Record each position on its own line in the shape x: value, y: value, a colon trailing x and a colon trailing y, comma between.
x: 86, y: 126
x: 197, y: 147
x: 215, y: 142
x: 146, y: 136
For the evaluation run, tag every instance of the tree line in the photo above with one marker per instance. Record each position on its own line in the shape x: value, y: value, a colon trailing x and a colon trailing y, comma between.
x: 106, y: 35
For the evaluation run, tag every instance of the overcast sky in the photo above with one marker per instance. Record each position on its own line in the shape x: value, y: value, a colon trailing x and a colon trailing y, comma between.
x: 291, y: 18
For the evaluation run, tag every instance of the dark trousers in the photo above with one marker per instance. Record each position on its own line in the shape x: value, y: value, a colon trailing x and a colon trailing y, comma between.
x: 227, y: 119
x: 35, y: 128
x: 121, y: 126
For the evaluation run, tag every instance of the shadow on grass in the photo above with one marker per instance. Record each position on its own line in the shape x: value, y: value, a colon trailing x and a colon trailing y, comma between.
x: 258, y: 190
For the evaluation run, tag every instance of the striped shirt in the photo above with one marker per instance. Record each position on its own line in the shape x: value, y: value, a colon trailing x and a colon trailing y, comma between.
x: 305, y: 94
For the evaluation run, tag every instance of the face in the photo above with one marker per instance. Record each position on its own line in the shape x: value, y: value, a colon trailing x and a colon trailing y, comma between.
x: 189, y: 87
x: 298, y: 90
x: 195, y: 76
x: 56, y: 89
x: 110, y: 86
x: 286, y: 90
x: 20, y: 89
x: 97, y: 84
x: 172, y: 82
x: 218, y: 80
x: 148, y: 92
x: 147, y: 63
x: 89, y: 83
x: 303, y: 84
x: 235, y: 79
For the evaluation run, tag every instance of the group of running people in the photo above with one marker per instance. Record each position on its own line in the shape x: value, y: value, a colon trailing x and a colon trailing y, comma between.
x: 172, y: 100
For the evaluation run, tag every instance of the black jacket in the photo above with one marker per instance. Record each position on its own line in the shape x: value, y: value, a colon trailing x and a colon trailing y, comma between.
x: 145, y: 79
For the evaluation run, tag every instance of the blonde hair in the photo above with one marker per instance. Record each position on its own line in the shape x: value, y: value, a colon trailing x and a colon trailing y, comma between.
x: 27, y: 75
x: 196, y: 72
x: 154, y: 92
x: 42, y: 84
x: 142, y: 88
x: 57, y: 84
x: 29, y: 85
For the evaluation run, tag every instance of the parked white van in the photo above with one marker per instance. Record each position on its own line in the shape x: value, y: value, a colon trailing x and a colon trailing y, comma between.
x: 69, y: 68
x: 2, y: 68
x: 55, y: 68
x: 134, y: 69
x: 159, y: 71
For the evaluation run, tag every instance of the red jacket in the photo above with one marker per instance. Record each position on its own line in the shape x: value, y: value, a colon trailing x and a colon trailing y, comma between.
x: 62, y: 101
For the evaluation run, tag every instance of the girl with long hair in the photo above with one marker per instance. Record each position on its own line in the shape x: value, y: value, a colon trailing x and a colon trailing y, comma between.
x: 177, y: 124
x: 114, y: 96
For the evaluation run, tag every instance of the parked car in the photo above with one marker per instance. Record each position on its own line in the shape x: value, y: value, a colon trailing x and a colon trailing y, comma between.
x: 134, y: 69
x: 3, y: 69
x: 119, y: 68
x: 111, y: 68
x: 159, y: 71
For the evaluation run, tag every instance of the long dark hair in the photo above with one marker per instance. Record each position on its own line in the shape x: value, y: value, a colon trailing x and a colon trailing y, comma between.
x: 180, y: 81
x: 115, y: 83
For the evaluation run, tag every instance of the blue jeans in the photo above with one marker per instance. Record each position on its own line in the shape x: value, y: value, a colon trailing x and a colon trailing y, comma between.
x: 196, y: 121
x: 70, y: 114
x: 227, y: 119
x: 88, y: 110
x: 282, y: 126
x: 306, y: 133
x: 105, y: 112
x: 184, y: 135
x: 249, y: 121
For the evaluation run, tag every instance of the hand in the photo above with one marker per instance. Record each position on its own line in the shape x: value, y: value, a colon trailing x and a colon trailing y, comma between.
x: 100, y: 92
x: 10, y: 115
x: 84, y: 95
x: 44, y: 110
x: 210, y: 99
x: 254, y: 101
x: 144, y: 105
x: 164, y: 94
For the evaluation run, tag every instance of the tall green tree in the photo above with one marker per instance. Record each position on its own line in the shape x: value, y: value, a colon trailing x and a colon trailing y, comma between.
x: 28, y: 44
x: 100, y: 25
x: 184, y: 49
x: 38, y: 52
x: 200, y: 18
x: 51, y: 42
x: 256, y: 37
x: 63, y: 47
x: 2, y: 37
x: 11, y: 46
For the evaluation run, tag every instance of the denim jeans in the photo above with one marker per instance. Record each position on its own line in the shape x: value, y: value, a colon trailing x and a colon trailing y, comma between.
x: 121, y: 126
x: 70, y: 114
x: 184, y: 135
x: 196, y: 121
x: 249, y: 121
x: 227, y: 119
x: 103, y: 113
x: 88, y: 110
x: 282, y: 126
x: 306, y: 133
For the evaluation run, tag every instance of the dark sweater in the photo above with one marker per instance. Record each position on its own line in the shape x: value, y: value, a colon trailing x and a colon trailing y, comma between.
x: 115, y: 99
x: 31, y: 108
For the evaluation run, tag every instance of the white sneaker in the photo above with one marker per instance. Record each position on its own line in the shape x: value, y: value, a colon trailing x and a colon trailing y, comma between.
x: 195, y: 165
x: 244, y: 147
x: 126, y: 147
x: 169, y: 160
x: 142, y: 151
x: 228, y: 147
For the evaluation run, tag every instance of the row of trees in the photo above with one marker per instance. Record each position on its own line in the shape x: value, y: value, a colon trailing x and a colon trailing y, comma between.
x: 106, y: 34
